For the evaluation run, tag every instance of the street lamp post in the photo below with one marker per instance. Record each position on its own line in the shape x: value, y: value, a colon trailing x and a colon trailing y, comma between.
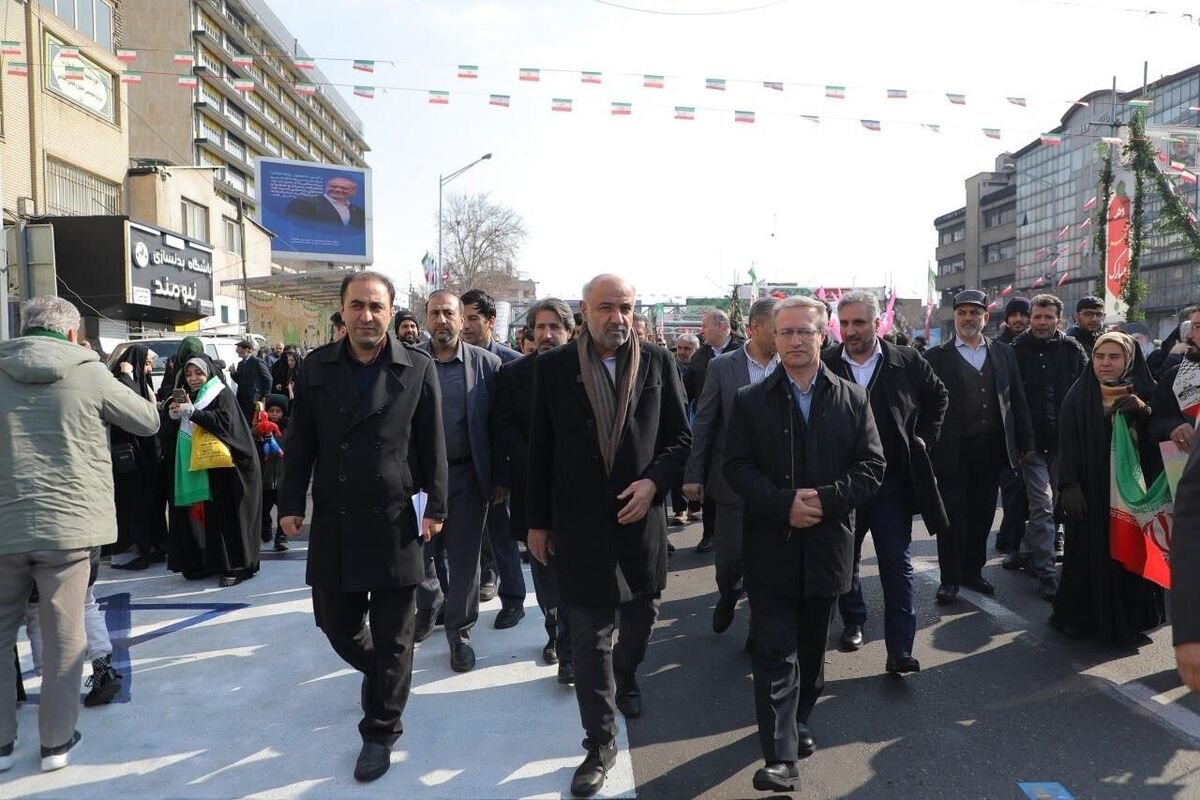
x: 442, y: 181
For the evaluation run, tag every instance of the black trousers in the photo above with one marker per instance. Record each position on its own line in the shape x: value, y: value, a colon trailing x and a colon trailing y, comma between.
x: 549, y: 599
x: 708, y: 522
x: 730, y: 517
x: 600, y: 668
x: 383, y: 653
x: 452, y: 557
x: 970, y: 498
x: 789, y: 667
x: 1015, y: 504
x: 270, y: 499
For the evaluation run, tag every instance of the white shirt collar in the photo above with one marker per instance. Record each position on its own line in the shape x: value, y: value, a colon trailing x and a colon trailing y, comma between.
x: 761, y: 365
x: 877, y: 353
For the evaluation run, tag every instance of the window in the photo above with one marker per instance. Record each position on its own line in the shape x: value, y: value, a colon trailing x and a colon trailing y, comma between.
x: 948, y: 266
x: 951, y: 235
x: 92, y: 18
x: 195, y: 220
x: 224, y: 314
x: 233, y: 239
x: 1000, y: 251
x: 235, y: 146
x: 1000, y: 216
x: 71, y: 191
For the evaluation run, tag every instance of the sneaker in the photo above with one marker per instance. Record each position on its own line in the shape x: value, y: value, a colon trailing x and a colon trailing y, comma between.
x: 6, y: 756
x: 105, y: 683
x: 58, y: 757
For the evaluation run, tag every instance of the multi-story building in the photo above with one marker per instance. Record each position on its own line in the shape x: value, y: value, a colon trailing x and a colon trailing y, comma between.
x: 1056, y: 181
x: 976, y: 246
x: 245, y: 103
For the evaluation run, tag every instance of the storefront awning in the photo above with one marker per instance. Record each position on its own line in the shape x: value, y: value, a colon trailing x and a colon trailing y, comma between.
x: 319, y: 287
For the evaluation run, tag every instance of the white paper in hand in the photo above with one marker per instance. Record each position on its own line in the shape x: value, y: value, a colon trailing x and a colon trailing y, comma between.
x: 420, y: 500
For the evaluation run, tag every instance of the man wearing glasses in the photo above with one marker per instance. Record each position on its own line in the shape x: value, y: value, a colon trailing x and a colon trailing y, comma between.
x: 1089, y: 319
x: 802, y: 451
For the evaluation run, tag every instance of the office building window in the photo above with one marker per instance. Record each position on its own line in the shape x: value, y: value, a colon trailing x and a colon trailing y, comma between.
x: 233, y: 239
x: 951, y: 235
x: 92, y: 18
x: 1000, y: 216
x: 195, y: 220
x: 948, y: 266
x: 71, y: 191
x: 1000, y: 251
x: 224, y: 314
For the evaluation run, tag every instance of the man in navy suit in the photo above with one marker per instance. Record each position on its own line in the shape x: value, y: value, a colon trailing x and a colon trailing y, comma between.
x: 334, y: 208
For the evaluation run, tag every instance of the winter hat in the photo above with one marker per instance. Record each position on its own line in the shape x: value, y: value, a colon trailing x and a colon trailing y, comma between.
x: 1018, y: 305
x: 276, y: 400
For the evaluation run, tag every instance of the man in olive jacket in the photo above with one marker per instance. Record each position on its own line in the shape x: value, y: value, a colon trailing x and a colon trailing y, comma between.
x: 56, y: 503
x: 803, y: 452
x: 367, y: 430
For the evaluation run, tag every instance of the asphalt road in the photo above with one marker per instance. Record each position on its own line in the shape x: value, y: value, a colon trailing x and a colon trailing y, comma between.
x: 1001, y: 700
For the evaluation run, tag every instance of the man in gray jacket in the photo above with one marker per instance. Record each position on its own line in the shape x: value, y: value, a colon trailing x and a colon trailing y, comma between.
x: 56, y: 503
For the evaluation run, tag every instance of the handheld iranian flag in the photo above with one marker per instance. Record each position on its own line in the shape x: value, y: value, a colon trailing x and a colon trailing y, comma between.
x: 897, y: 94
x: 188, y: 81
x: 590, y: 77
x: 243, y: 84
x: 653, y: 81
x: 1051, y: 138
x: 621, y: 109
x: 367, y: 92
x: 1140, y: 516
x: 716, y: 84
x: 303, y: 87
x: 69, y: 52
x: 364, y: 65
x: 529, y: 74
x: 131, y: 77
x: 956, y: 99
x: 775, y: 86
x: 73, y: 72
x: 500, y: 100
x: 18, y: 69
x: 991, y: 133
x: 468, y: 71
x: 871, y: 124
x: 126, y: 55
x: 560, y: 104
x: 184, y: 58
x: 304, y: 64
x: 10, y: 48
x: 244, y: 60
x: 685, y: 112
x: 1017, y: 101
x: 743, y: 116
x: 835, y: 92
x: 439, y: 98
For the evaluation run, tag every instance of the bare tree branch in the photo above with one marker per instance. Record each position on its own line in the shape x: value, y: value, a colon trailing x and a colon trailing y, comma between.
x: 481, y: 240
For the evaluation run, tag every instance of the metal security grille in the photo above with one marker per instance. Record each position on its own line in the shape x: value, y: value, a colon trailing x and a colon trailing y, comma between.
x: 71, y: 191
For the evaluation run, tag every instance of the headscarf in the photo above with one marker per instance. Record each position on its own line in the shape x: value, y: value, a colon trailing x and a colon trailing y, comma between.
x: 136, y: 355
x: 1126, y: 343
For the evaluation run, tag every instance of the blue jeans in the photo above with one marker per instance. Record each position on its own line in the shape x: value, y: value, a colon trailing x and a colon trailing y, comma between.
x: 888, y: 515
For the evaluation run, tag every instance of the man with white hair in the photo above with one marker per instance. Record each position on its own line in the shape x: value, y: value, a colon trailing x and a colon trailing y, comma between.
x: 56, y: 402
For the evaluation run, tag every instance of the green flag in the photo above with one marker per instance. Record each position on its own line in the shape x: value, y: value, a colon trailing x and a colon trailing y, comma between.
x: 753, y: 275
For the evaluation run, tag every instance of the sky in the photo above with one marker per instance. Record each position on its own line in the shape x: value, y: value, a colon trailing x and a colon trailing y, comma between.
x: 685, y: 208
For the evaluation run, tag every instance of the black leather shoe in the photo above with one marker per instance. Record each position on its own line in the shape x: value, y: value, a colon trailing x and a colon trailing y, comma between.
x: 509, y: 616
x: 779, y: 776
x: 670, y: 547
x: 373, y: 760
x: 705, y: 545
x: 629, y: 698
x: 947, y: 593
x: 550, y: 651
x: 1015, y: 561
x: 900, y: 663
x: 462, y: 657
x: 566, y: 673
x: 804, y: 737
x: 852, y: 638
x: 136, y: 564
x: 980, y: 585
x: 589, y: 777
x: 723, y: 614
x: 425, y: 624
x: 487, y: 591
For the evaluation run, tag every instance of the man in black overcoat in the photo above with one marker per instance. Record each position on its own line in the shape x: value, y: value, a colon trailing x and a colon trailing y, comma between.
x: 609, y: 438
x: 551, y: 321
x: 803, y: 452
x: 367, y: 417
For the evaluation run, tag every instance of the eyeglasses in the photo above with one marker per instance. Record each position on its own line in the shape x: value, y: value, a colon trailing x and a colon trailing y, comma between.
x: 792, y: 333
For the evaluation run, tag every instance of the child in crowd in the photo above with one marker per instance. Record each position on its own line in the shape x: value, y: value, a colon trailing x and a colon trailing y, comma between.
x: 269, y: 426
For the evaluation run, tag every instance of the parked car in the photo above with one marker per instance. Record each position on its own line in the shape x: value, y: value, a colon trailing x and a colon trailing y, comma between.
x: 222, y: 349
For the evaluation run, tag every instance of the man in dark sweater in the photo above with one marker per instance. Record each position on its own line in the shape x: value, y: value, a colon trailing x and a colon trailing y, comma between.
x: 1012, y: 488
x: 1089, y: 319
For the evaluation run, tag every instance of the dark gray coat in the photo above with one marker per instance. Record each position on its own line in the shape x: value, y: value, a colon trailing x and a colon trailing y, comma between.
x: 1185, y: 555
x: 726, y: 374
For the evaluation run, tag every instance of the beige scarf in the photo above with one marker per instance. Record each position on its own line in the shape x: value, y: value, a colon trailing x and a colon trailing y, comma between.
x: 610, y: 404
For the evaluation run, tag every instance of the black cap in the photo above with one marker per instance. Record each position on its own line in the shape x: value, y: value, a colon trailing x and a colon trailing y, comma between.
x: 971, y: 297
x: 404, y: 314
x: 1018, y: 305
x: 1089, y: 301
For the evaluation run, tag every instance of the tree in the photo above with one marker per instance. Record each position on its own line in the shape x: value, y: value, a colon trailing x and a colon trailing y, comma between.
x: 735, y: 311
x: 480, y: 241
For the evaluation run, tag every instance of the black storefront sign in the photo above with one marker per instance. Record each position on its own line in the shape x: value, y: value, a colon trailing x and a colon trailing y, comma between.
x: 169, y: 272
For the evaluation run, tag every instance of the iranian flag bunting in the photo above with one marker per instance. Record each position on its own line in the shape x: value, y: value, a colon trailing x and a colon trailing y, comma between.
x: 184, y: 58
x: 527, y: 74
x: 621, y: 109
x: 1082, y: 244
x: 1065, y: 230
x: 243, y: 60
x: 364, y: 65
x: 244, y: 84
x: 500, y: 100
x: 1087, y: 223
x: 303, y: 87
x: 560, y: 104
x: 439, y: 98
x: 813, y: 118
x: 685, y: 112
x: 871, y: 124
x: 897, y: 94
x: 743, y: 116
x: 10, y: 48
x: 69, y: 52
x: 304, y: 63
x: 1178, y: 166
x: 716, y: 84
x: 957, y: 99
x: 835, y: 92
x: 773, y: 85
x: 188, y: 81
x: 931, y: 127
x: 1017, y: 101
x: 73, y: 72
x: 1091, y: 203
x: 590, y: 77
x: 367, y: 92
x: 1051, y: 138
x: 468, y: 71
x: 1062, y: 280
x: 1188, y: 177
x: 1141, y: 102
x: 126, y: 55
x: 991, y: 133
x: 129, y: 76
x: 18, y: 69
x: 653, y: 81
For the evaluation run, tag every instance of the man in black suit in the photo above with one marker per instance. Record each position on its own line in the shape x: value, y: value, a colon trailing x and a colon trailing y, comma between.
x: 987, y: 427
x: 803, y: 452
x: 609, y: 438
x: 909, y: 404
x: 551, y: 322
x: 253, y: 378
x: 367, y: 414
x: 718, y: 339
x: 331, y: 209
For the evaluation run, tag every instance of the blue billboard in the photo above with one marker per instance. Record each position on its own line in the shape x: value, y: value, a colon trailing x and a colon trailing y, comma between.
x: 318, y: 212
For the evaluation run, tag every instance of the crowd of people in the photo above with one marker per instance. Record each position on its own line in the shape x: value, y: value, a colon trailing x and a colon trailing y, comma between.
x: 433, y: 457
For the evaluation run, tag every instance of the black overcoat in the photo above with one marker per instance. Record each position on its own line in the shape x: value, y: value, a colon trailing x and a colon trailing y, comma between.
x: 602, y: 563
x: 768, y: 458
x: 917, y: 401
x: 510, y: 436
x: 366, y: 458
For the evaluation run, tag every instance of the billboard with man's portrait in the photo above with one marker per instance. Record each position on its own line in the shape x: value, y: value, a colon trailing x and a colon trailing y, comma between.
x: 318, y: 212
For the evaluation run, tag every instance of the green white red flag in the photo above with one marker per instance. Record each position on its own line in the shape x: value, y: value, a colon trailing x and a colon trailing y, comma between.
x: 366, y: 92
x: 188, y: 81
x: 529, y: 74
x: 991, y: 133
x: 10, y: 48
x: 500, y: 100
x: 1140, y: 517
x: 243, y: 84
x: 776, y: 86
x: 871, y: 124
x: 897, y: 94
x: 835, y: 92
x: 560, y: 104
x: 184, y: 58
x: 743, y: 116
x: 621, y: 109
x: 439, y: 98
x: 73, y: 72
x: 716, y: 84
x: 304, y: 64
x: 130, y: 77
x: 468, y: 71
x: 126, y: 55
x: 1051, y: 138
x: 244, y: 60
x: 590, y: 77
x: 956, y: 99
x: 69, y: 53
x: 304, y: 87
x: 1017, y: 101
x: 364, y: 65
x: 685, y: 112
x: 653, y: 81
x: 18, y: 69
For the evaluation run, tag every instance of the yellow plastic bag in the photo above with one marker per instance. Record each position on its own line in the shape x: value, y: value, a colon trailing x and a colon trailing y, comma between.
x: 208, y: 452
